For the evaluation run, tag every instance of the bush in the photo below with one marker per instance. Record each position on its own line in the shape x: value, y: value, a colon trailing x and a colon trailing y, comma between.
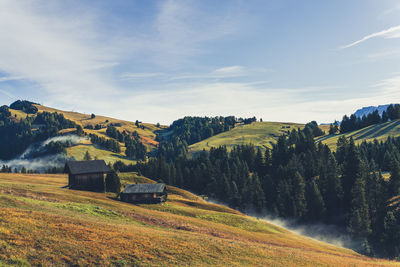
x: 113, y: 183
x: 25, y: 106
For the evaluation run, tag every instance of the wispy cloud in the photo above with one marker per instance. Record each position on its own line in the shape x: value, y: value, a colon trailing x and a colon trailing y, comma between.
x: 11, y: 78
x: 392, y: 32
x: 141, y: 75
x: 63, y: 59
x: 220, y: 73
x: 4, y: 92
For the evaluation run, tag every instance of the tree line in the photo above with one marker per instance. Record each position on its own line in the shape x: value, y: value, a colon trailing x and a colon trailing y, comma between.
x: 353, y: 122
x: 302, y: 180
x: 17, y: 135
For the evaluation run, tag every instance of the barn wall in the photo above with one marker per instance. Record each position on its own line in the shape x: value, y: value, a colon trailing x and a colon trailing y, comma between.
x: 92, y: 182
x: 144, y: 197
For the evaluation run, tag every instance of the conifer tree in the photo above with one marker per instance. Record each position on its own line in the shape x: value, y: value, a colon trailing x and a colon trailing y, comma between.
x: 359, y: 225
x: 352, y: 168
x: 87, y: 156
x: 113, y: 183
x: 258, y: 193
x: 235, y: 199
x: 394, y: 182
x: 333, y: 191
x: 315, y: 203
x: 299, y: 199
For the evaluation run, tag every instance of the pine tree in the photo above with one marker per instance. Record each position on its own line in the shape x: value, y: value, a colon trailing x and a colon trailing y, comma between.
x: 351, y: 170
x: 226, y: 188
x: 391, y: 235
x: 235, y: 198
x: 333, y: 191
x: 315, y: 203
x: 87, y: 156
x: 258, y: 194
x: 299, y: 199
x: 259, y: 163
x: 113, y: 183
x: 394, y: 183
x: 359, y: 225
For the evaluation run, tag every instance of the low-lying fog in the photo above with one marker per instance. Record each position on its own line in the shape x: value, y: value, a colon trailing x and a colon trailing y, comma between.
x: 41, y: 164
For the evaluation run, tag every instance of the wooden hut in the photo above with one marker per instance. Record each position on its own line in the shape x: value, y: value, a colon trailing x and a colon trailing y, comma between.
x: 144, y: 193
x: 86, y: 175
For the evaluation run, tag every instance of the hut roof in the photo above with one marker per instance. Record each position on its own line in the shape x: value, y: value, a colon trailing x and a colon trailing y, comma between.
x: 84, y: 167
x: 144, y: 188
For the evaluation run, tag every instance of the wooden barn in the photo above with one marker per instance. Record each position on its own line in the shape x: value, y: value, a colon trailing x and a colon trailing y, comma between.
x: 86, y: 175
x: 144, y: 193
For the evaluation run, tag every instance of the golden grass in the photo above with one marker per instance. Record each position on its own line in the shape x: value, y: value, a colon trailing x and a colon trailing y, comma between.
x: 19, y: 114
x: 148, y: 136
x: 42, y: 223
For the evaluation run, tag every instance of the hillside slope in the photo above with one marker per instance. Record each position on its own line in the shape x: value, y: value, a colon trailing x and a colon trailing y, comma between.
x: 260, y: 134
x: 147, y: 133
x: 42, y: 223
x: 378, y: 131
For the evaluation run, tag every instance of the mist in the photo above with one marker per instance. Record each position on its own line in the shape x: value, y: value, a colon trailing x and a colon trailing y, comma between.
x: 43, y: 163
x: 328, y: 233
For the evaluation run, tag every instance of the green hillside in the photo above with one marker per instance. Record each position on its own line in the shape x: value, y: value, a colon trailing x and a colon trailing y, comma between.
x: 260, y: 134
x: 44, y: 224
x: 146, y: 132
x: 378, y: 131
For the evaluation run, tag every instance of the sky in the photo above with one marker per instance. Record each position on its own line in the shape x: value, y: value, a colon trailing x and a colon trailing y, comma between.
x: 157, y: 61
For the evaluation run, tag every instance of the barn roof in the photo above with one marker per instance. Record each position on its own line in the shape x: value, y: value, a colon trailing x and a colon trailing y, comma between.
x: 88, y: 166
x: 144, y: 188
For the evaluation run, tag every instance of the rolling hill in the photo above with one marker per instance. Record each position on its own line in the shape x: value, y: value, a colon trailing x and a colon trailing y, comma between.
x: 378, y: 131
x: 43, y: 223
x: 260, y: 134
x: 147, y: 133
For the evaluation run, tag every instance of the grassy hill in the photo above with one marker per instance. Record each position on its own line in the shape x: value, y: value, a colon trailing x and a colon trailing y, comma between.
x: 78, y: 151
x: 260, y: 134
x: 42, y: 223
x: 378, y: 131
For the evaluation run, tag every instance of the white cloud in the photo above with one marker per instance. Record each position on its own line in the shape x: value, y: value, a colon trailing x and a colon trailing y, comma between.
x: 392, y: 32
x: 235, y: 70
x: 140, y: 75
x: 57, y: 52
x: 11, y: 78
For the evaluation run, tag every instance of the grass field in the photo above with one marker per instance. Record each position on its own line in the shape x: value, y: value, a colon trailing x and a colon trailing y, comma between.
x: 378, y: 131
x: 260, y: 134
x: 147, y: 134
x: 42, y: 223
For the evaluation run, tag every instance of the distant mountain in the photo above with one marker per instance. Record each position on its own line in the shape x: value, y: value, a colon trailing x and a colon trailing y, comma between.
x: 367, y: 110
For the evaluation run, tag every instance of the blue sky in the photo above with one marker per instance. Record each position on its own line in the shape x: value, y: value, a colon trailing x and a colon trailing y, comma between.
x: 156, y: 61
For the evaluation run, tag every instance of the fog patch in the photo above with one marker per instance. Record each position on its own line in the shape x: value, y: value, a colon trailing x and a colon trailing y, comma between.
x: 327, y: 233
x: 43, y: 163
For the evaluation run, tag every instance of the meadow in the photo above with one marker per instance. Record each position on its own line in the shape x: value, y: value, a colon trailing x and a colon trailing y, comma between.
x: 260, y: 134
x: 78, y: 151
x: 379, y: 132
x: 44, y: 223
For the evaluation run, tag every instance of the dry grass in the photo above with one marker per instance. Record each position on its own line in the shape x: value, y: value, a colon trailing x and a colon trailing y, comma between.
x: 42, y: 223
x: 147, y: 135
